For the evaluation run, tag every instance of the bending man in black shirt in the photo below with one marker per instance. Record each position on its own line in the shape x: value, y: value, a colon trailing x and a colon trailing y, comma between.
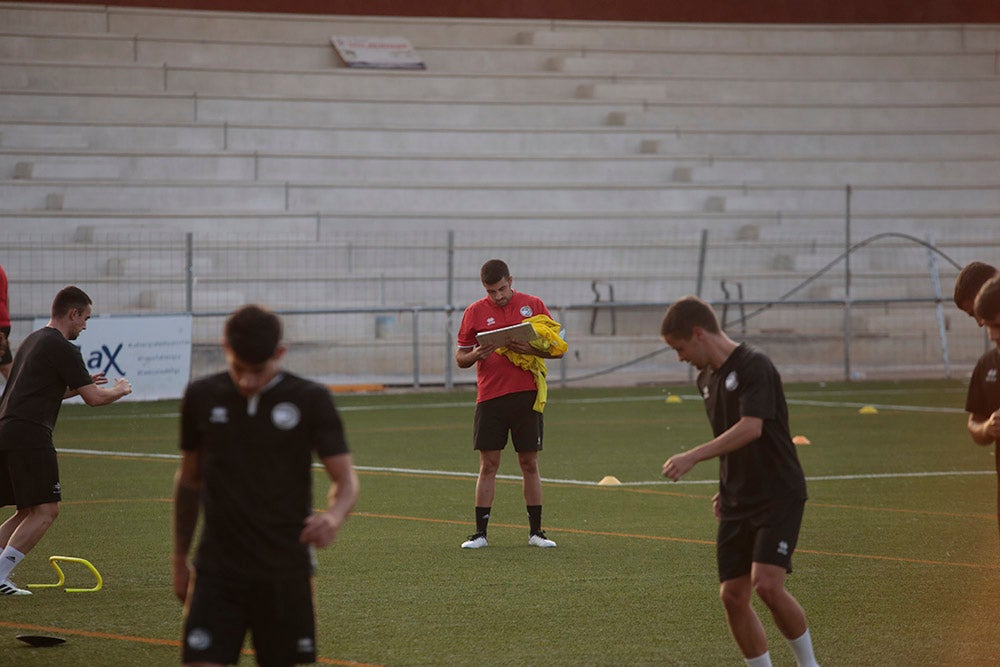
x: 248, y: 437
x: 983, y: 399
x: 762, y: 490
x: 47, y: 369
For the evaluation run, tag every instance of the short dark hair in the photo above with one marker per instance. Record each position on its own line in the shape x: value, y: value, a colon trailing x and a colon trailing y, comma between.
x: 970, y: 279
x: 253, y: 333
x: 70, y: 298
x: 987, y: 305
x: 493, y: 271
x: 684, y: 315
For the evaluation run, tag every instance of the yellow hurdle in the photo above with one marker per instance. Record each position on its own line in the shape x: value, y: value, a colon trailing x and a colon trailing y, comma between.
x: 54, y: 562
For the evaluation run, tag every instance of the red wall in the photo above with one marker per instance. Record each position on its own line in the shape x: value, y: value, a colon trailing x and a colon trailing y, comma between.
x: 711, y: 11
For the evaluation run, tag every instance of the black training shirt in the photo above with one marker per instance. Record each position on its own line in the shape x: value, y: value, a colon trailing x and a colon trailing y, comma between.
x: 767, y: 469
x: 256, y: 464
x: 983, y: 398
x: 45, y: 366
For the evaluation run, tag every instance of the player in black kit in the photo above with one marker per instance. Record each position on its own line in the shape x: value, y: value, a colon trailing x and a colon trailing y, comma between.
x: 762, y: 490
x: 248, y: 437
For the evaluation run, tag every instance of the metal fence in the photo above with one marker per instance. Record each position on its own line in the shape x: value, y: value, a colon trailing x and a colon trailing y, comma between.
x: 384, y: 307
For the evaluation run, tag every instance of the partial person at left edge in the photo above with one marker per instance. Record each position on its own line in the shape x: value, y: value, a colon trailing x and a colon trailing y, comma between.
x: 47, y: 369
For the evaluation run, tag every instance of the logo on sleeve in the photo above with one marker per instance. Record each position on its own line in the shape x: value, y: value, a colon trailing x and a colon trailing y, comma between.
x: 991, y: 375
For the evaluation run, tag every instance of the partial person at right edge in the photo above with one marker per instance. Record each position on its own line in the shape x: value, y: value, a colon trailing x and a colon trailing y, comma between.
x: 967, y: 285
x: 6, y: 354
x: 983, y: 399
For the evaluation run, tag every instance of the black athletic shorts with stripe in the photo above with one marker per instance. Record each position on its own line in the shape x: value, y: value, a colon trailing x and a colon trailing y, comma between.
x: 769, y: 537
x: 277, y: 612
x: 511, y: 413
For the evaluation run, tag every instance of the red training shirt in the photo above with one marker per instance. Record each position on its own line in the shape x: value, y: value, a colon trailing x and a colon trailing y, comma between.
x: 496, y: 375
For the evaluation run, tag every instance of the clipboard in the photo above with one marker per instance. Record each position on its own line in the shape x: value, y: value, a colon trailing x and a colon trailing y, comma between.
x: 523, y: 332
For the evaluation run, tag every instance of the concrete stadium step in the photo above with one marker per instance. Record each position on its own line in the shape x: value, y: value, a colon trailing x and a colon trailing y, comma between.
x: 373, y: 198
x: 88, y: 165
x: 961, y: 237
x: 355, y: 84
x: 771, y: 144
x: 229, y: 166
x: 68, y: 168
x: 126, y: 136
x: 296, y: 55
x: 44, y: 18
x: 778, y: 64
x: 812, y: 118
x: 721, y: 170
x: 190, y: 24
x: 187, y: 107
x: 742, y: 38
x: 359, y: 197
x: 182, y: 107
x: 342, y: 83
x: 266, y: 55
x: 494, y: 142
x: 795, y: 91
x: 98, y: 107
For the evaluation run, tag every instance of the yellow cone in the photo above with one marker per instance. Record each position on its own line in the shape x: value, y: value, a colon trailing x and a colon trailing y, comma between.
x: 800, y: 440
x: 868, y: 410
x: 609, y: 481
x: 673, y: 398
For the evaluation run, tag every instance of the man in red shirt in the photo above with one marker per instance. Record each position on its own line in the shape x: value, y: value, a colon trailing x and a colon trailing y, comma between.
x: 505, y: 398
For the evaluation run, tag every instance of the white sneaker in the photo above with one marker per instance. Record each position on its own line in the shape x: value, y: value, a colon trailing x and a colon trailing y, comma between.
x: 539, y: 540
x: 8, y: 587
x: 477, y: 541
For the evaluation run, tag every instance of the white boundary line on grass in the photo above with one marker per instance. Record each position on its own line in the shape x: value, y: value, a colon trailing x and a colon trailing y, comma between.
x: 570, y: 401
x: 549, y: 480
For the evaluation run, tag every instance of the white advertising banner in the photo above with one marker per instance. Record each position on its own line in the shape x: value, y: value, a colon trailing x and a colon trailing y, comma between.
x: 153, y: 353
x: 377, y: 52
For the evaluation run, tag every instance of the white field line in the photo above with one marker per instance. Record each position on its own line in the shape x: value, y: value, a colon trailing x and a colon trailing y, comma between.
x: 584, y: 401
x: 552, y: 480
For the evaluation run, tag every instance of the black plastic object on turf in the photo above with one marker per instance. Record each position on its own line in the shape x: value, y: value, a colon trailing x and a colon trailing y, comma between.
x: 40, y: 640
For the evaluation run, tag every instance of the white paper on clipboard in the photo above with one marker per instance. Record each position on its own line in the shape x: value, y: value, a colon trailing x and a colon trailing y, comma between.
x: 523, y: 332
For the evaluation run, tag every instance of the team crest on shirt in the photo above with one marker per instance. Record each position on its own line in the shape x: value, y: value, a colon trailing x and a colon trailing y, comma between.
x: 219, y: 415
x: 285, y: 416
x: 732, y: 382
x: 991, y: 375
x: 526, y: 311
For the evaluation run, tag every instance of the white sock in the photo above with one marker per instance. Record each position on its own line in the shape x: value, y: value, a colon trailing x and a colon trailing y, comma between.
x: 762, y: 660
x: 803, y: 648
x: 9, y: 558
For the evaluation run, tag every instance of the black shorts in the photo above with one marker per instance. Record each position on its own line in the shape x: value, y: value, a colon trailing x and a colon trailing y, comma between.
x: 277, y: 612
x: 767, y: 537
x: 512, y: 414
x: 29, y: 477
